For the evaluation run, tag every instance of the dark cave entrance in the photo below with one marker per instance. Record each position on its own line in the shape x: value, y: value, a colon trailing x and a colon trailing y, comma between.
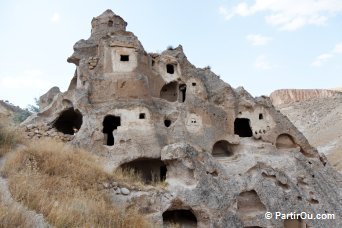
x: 110, y: 123
x: 170, y: 69
x: 179, y: 218
x: 182, y: 92
x: 69, y: 121
x: 167, y: 123
x: 150, y: 170
x: 242, y: 127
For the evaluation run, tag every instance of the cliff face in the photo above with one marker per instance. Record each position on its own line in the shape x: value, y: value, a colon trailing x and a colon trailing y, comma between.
x: 286, y: 96
x: 226, y: 157
x: 320, y: 120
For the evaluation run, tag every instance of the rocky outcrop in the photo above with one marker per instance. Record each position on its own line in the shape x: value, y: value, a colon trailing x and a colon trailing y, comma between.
x: 48, y: 97
x: 226, y: 156
x: 286, y: 96
x: 8, y: 109
x: 319, y: 119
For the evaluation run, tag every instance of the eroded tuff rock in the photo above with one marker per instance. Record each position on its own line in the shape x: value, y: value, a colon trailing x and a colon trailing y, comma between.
x: 286, y: 96
x: 227, y: 157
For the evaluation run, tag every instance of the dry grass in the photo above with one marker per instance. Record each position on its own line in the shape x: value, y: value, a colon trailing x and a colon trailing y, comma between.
x: 12, y: 216
x: 9, y: 138
x: 64, y: 184
x: 132, y: 177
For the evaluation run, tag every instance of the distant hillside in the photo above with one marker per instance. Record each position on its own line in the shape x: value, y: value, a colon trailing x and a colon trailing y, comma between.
x: 286, y: 96
x: 10, y: 112
x: 319, y: 118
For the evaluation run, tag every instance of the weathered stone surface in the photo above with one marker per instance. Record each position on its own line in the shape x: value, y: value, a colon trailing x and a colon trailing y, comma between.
x: 286, y: 96
x: 218, y: 149
x: 48, y: 97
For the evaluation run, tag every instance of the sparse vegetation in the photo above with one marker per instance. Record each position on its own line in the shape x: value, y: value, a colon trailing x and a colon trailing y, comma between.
x: 11, y: 216
x: 9, y: 138
x: 207, y: 67
x: 21, y: 115
x: 64, y: 184
x: 131, y: 176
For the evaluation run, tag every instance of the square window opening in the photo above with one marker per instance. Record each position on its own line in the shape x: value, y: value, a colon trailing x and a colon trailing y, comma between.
x: 142, y: 116
x: 124, y: 58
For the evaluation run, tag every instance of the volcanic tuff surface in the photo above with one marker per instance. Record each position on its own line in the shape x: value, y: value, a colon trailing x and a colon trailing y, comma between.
x: 226, y: 157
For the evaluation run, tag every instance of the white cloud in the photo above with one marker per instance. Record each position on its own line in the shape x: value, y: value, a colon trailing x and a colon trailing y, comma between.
x: 56, y: 17
x: 258, y: 40
x: 338, y: 48
x: 287, y: 15
x: 262, y: 63
x: 31, y: 79
x: 321, y: 59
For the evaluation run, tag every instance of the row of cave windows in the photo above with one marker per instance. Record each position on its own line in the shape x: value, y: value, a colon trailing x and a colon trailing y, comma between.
x: 70, y: 121
x: 170, y: 68
x: 154, y: 170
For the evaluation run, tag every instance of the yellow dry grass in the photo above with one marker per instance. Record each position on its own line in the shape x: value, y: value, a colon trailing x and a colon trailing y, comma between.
x: 64, y: 184
x: 12, y: 216
x: 9, y: 138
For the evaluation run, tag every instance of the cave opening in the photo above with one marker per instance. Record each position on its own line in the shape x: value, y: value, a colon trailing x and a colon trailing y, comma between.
x: 222, y: 149
x: 179, y: 218
x: 69, y: 121
x: 150, y: 170
x: 285, y: 141
x: 170, y: 69
x: 169, y: 91
x: 242, y: 127
x: 110, y: 123
x: 182, y: 92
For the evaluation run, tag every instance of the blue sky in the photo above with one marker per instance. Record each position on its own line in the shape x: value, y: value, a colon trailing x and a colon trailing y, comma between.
x: 262, y: 45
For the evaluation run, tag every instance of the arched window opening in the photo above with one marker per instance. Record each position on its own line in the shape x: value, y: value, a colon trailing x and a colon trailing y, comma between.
x: 110, y: 123
x: 249, y: 205
x: 167, y: 123
x: 285, y: 141
x: 169, y: 92
x: 222, y: 149
x: 179, y: 218
x: 242, y: 127
x: 150, y: 170
x: 69, y: 121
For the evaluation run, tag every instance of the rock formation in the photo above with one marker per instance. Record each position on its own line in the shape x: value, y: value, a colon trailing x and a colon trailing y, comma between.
x: 286, y: 96
x: 226, y: 157
x: 320, y: 120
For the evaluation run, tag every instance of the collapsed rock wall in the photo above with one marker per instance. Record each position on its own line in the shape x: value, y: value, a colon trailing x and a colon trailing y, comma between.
x: 128, y: 105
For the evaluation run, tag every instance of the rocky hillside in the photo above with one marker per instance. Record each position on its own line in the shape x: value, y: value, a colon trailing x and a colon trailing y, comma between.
x: 288, y: 96
x: 8, y: 111
x: 318, y: 117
